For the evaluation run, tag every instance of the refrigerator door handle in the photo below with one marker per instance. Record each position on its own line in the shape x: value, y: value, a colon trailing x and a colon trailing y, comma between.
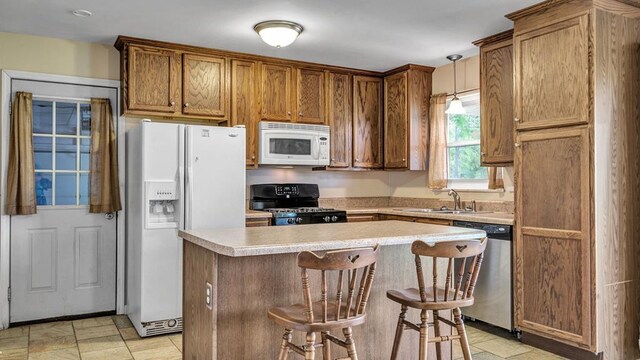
x: 188, y: 179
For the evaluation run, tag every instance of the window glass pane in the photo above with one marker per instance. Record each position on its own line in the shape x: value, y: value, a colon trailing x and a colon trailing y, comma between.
x: 84, y: 189
x: 66, y: 153
x: 463, y: 128
x: 65, y: 189
x: 43, y: 188
x: 85, y: 119
x: 464, y: 163
x: 66, y: 118
x: 42, y: 152
x: 85, y: 145
x: 42, y: 117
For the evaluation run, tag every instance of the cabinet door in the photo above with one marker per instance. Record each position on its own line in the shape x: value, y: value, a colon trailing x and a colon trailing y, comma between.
x: 311, y: 96
x: 153, y: 80
x: 367, y: 122
x: 244, y: 105
x: 396, y: 121
x: 496, y: 103
x: 552, y: 75
x: 204, y: 90
x: 553, y: 239
x: 276, y: 92
x: 340, y: 119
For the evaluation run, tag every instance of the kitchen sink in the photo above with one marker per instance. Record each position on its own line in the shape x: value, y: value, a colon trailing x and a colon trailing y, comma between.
x: 441, y: 211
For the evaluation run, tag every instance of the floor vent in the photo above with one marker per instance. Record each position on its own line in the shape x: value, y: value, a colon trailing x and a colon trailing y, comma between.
x: 163, y: 327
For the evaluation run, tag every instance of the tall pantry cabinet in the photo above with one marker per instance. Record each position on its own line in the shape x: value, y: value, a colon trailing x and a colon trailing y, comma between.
x: 577, y: 167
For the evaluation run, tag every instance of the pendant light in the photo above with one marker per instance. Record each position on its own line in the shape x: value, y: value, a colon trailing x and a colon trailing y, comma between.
x: 455, y: 106
x: 278, y: 33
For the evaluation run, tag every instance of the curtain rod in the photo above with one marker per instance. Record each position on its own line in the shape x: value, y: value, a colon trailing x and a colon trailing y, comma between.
x: 61, y: 98
x: 466, y: 91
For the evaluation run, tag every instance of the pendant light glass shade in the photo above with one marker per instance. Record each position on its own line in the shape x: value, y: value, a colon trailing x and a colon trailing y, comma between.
x: 278, y: 33
x: 455, y: 107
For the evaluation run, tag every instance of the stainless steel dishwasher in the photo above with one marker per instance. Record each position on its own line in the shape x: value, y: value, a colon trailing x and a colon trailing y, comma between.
x: 493, y: 294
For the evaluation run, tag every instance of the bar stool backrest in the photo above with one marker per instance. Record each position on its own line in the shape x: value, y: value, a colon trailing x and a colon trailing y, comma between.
x: 468, y: 251
x: 354, y: 263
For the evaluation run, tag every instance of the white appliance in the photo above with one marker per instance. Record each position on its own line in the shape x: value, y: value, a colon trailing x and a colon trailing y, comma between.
x: 178, y: 177
x: 293, y: 144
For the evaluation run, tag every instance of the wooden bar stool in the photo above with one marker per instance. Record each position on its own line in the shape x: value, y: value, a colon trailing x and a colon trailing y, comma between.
x: 324, y: 316
x: 437, y: 298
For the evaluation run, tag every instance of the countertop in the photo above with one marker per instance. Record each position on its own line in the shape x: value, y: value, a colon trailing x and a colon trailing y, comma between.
x: 268, y: 240
x: 490, y: 218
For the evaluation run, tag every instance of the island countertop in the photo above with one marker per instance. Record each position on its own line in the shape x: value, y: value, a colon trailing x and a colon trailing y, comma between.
x: 270, y: 240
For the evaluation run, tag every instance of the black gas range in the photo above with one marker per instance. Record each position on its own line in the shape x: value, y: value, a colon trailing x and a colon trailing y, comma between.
x: 293, y: 204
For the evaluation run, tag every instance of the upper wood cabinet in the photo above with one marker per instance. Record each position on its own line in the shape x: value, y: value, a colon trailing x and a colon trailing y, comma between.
x: 152, y: 80
x: 367, y: 122
x: 276, y: 92
x: 244, y: 85
x: 204, y: 90
x: 340, y: 119
x: 311, y: 94
x: 496, y: 99
x: 552, y: 76
x: 407, y: 92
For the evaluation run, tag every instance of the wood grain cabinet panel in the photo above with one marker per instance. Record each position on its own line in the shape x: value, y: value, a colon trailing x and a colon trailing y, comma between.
x: 244, y: 85
x: 276, y: 92
x: 552, y: 78
x: 396, y: 121
x: 496, y: 99
x: 153, y: 80
x: 204, y: 90
x: 311, y: 95
x: 340, y: 119
x: 553, y: 236
x: 367, y: 122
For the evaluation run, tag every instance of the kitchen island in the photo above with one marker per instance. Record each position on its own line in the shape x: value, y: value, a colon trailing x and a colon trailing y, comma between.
x: 233, y: 276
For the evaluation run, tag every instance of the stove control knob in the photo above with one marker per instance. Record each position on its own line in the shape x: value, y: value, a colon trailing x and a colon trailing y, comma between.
x: 299, y: 220
x: 327, y: 219
x: 334, y: 218
x: 291, y: 220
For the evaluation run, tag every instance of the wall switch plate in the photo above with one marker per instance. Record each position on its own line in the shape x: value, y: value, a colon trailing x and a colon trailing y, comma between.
x: 208, y: 293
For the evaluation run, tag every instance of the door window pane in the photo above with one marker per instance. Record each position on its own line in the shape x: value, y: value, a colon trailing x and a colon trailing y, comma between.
x: 42, y: 152
x: 66, y: 153
x: 85, y: 119
x: 85, y: 145
x: 44, y: 181
x: 84, y: 188
x: 66, y: 118
x: 42, y: 117
x: 65, y: 189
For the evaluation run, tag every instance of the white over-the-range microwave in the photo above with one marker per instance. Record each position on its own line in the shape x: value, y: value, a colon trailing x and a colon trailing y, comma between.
x: 293, y: 144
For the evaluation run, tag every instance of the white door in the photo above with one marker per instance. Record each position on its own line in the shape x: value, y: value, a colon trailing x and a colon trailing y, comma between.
x: 63, y: 259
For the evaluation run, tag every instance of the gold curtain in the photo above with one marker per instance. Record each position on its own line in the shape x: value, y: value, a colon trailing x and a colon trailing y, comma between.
x: 495, y: 178
x: 438, y: 158
x: 21, y: 191
x: 104, y: 183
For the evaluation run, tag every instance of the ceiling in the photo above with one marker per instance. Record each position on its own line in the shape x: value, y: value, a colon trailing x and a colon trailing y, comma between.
x: 368, y: 34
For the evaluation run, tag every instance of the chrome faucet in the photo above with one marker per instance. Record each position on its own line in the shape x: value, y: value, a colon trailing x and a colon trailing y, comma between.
x: 457, y: 205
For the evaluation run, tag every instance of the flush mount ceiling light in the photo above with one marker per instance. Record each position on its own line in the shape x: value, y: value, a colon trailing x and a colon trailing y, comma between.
x: 81, y: 13
x: 455, y: 106
x: 278, y: 33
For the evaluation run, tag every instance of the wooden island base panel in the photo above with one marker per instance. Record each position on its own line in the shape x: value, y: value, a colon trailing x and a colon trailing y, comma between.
x: 251, y: 270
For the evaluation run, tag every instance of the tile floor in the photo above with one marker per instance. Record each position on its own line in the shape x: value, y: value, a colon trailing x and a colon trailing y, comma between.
x: 114, y: 338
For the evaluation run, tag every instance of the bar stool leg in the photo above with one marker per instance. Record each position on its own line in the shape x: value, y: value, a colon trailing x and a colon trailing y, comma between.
x: 436, y: 332
x: 309, y: 349
x: 326, y: 346
x: 399, y: 331
x: 424, y: 335
x: 284, y: 348
x: 464, y: 342
x: 351, y: 346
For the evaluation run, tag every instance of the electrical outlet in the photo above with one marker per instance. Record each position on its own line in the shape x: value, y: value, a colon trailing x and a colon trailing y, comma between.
x: 208, y: 295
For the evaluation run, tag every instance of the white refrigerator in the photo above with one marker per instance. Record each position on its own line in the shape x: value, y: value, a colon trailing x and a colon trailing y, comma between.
x: 178, y: 177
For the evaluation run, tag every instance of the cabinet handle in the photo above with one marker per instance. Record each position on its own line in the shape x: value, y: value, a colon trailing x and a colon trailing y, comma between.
x: 172, y: 103
x: 357, y: 159
x: 186, y: 104
x: 299, y: 114
x: 403, y: 159
x: 483, y: 153
x: 516, y: 145
x: 253, y: 157
x: 333, y: 159
x: 516, y: 120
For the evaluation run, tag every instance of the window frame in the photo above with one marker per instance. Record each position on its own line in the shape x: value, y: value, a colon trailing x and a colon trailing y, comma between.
x: 53, y: 136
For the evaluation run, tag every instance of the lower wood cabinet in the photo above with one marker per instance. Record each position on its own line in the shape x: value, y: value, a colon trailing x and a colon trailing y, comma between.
x: 367, y: 122
x: 554, y: 280
x: 255, y: 222
x: 433, y: 221
x: 362, y: 217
